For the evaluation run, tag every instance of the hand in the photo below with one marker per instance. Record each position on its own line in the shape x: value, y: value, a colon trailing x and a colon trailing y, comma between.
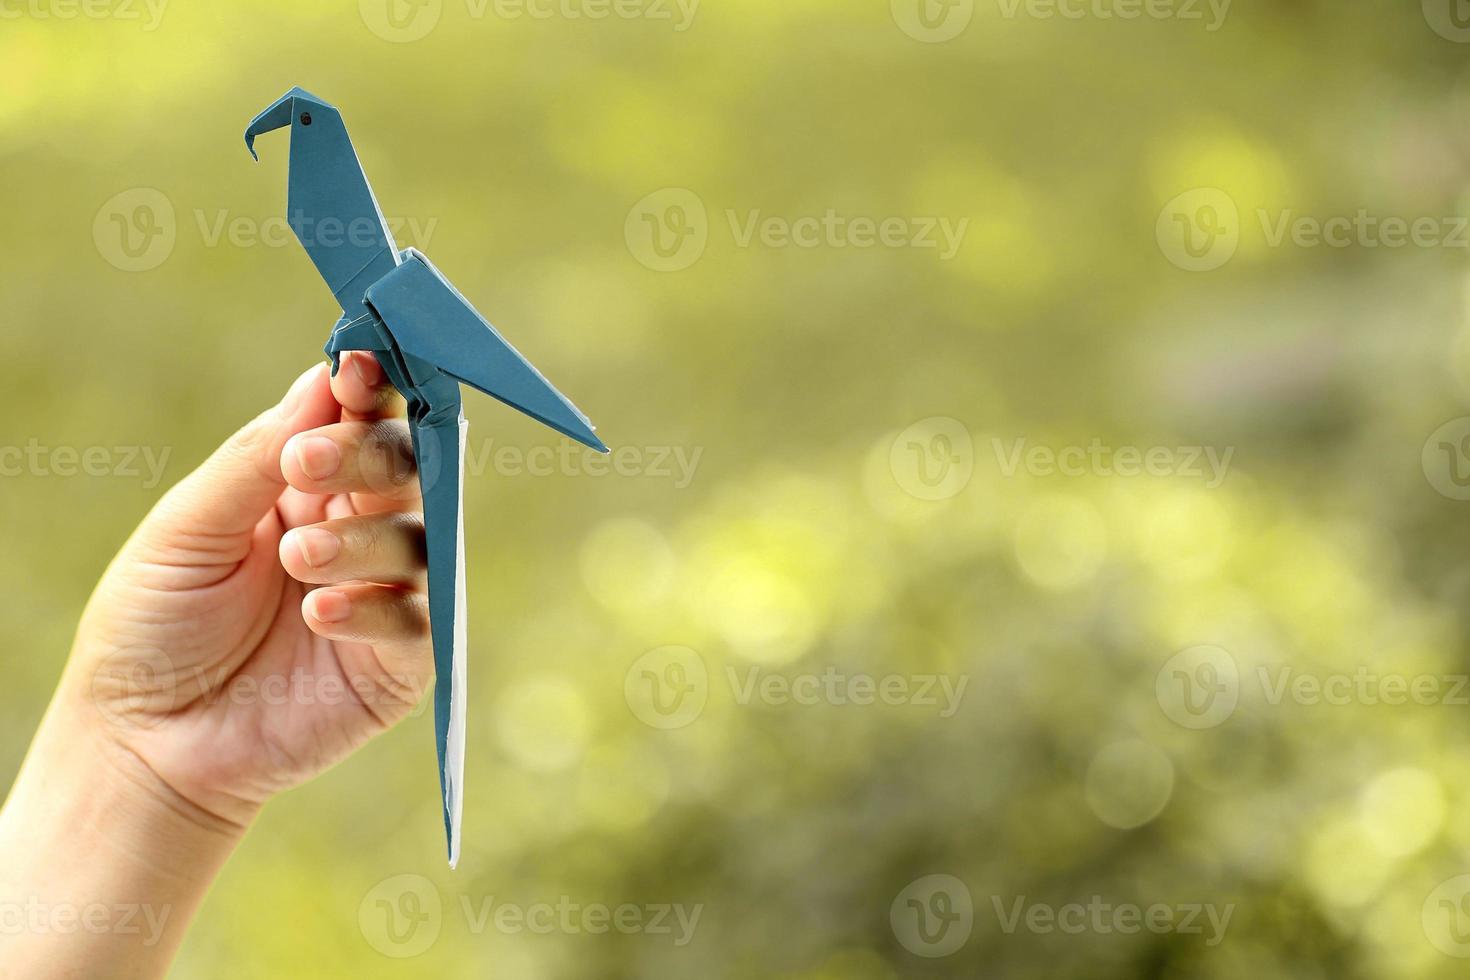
x: 208, y: 658
x: 207, y: 676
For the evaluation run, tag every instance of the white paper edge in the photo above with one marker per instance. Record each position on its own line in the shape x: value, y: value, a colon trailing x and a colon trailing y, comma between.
x: 454, y: 749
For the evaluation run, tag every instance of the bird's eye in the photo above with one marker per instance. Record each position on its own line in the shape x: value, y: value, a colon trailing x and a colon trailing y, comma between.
x: 306, y: 119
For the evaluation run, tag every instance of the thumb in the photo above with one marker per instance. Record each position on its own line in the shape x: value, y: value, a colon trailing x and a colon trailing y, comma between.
x: 233, y: 489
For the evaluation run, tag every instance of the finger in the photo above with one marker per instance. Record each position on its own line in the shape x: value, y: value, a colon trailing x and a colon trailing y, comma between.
x: 371, y: 548
x: 380, y: 615
x: 362, y: 389
x: 233, y: 489
x: 354, y: 457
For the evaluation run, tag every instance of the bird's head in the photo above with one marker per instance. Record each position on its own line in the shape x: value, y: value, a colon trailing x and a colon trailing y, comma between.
x: 298, y: 109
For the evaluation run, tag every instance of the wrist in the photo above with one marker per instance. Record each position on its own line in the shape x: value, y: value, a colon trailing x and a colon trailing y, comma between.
x: 89, y: 835
x: 82, y: 795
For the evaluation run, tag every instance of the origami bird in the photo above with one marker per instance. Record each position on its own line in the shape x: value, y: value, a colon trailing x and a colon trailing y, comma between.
x: 429, y: 340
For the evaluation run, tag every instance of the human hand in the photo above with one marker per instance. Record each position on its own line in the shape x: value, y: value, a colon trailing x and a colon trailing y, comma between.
x: 207, y: 675
x: 208, y: 659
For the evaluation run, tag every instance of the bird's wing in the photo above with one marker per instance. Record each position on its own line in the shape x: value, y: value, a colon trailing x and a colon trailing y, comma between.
x: 438, y: 448
x: 430, y: 320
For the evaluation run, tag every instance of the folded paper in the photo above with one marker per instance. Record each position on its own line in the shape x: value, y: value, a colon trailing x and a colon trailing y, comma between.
x: 429, y: 340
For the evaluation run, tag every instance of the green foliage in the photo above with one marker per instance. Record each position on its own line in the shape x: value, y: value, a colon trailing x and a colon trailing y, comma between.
x: 837, y: 462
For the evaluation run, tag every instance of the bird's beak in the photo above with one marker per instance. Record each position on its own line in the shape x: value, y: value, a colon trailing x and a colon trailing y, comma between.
x: 275, y: 117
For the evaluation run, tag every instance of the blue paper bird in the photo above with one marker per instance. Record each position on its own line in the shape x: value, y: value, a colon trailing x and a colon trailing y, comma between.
x: 428, y: 339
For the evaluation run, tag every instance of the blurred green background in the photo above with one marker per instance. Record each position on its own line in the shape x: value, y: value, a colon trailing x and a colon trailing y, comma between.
x: 833, y: 470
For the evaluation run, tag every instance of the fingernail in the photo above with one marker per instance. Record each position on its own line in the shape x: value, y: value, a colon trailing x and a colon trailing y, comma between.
x: 331, y: 606
x: 298, y: 388
x: 368, y: 369
x: 319, y: 456
x: 318, y: 547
